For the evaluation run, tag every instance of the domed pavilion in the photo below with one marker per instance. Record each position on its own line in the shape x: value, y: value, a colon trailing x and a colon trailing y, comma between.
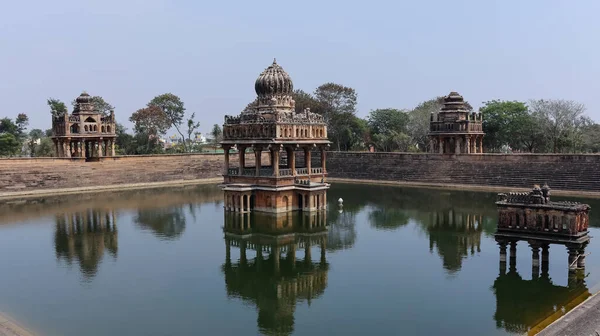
x: 276, y: 134
x: 86, y: 133
x: 455, y: 129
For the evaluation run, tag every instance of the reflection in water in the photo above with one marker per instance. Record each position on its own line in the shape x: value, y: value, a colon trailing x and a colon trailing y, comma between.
x: 341, y: 231
x: 523, y: 304
x: 166, y: 223
x: 455, y: 235
x: 274, y: 280
x: 83, y: 236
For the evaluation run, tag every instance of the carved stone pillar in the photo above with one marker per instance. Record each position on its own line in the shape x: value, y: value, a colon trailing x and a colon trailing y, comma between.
x: 307, y: 159
x: 441, y: 147
x: 323, y: 159
x: 100, y: 149
x: 456, y: 145
x: 275, y: 156
x: 502, y: 245
x: 535, y: 259
x: 481, y: 144
x: 257, y: 159
x: 545, y: 259
x: 581, y: 259
x: 84, y: 149
x: 226, y: 151
x: 112, y: 147
x: 242, y: 158
x: 572, y: 257
x: 292, y: 160
x: 513, y: 256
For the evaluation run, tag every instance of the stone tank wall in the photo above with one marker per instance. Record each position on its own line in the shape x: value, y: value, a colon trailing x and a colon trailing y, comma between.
x: 560, y: 171
x: 24, y: 174
x: 563, y: 172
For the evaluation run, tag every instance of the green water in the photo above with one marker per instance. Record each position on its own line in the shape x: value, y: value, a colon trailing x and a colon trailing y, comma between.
x: 395, y: 261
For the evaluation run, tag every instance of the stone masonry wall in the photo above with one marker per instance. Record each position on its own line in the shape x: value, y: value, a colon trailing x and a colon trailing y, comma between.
x: 564, y: 172
x: 560, y: 171
x: 23, y: 174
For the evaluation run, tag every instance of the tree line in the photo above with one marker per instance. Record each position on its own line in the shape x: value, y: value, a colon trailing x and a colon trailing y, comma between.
x: 536, y: 126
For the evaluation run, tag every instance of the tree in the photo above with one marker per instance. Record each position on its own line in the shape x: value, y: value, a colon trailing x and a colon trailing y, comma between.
x: 388, y: 129
x: 562, y: 122
x: 216, y: 133
x: 35, y: 135
x: 8, y: 126
x: 21, y: 122
x: 192, y: 126
x: 305, y: 100
x: 57, y: 107
x: 419, y: 119
x: 173, y: 109
x: 337, y: 105
x: 505, y: 123
x: 45, y: 148
x: 591, y: 138
x: 9, y: 145
x: 150, y: 123
x: 150, y: 120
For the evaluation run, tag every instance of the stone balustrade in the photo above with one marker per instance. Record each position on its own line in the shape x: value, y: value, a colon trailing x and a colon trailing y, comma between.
x: 301, y: 171
x: 316, y: 170
x: 285, y: 172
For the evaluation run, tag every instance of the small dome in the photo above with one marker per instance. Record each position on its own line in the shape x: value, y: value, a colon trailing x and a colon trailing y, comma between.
x: 84, y: 98
x: 274, y: 81
x: 453, y: 102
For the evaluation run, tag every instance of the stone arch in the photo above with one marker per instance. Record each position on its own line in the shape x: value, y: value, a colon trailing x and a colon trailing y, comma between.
x: 286, y: 202
x: 85, y: 127
x: 103, y: 129
x: 297, y: 133
x: 108, y: 128
x: 90, y: 120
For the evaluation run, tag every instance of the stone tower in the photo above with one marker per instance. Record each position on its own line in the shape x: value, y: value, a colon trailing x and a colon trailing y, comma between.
x: 279, y: 184
x: 456, y: 130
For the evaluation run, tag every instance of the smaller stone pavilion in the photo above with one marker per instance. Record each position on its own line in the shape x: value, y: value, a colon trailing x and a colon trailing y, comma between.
x: 533, y: 218
x: 280, y: 184
x: 86, y: 133
x: 456, y: 130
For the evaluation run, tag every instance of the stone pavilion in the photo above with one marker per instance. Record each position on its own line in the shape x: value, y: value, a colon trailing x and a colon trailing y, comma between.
x: 86, y: 133
x: 280, y: 183
x: 455, y: 129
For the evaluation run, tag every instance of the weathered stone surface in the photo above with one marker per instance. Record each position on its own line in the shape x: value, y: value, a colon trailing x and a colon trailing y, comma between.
x: 563, y: 172
x: 47, y: 173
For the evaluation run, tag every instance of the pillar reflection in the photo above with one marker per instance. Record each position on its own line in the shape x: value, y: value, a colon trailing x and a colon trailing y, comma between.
x: 527, y: 306
x: 84, y: 236
x: 275, y: 269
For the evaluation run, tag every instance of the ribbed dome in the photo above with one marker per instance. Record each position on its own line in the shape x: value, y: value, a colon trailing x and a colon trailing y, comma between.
x: 84, y: 98
x: 274, y: 81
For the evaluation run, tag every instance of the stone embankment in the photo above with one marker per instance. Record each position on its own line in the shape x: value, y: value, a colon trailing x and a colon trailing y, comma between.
x: 560, y: 171
x: 579, y: 173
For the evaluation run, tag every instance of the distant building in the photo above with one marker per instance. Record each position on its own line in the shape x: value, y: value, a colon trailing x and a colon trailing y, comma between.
x: 456, y: 130
x: 86, y: 132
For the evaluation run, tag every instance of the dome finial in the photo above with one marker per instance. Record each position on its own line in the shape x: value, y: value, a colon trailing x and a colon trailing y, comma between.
x: 274, y: 60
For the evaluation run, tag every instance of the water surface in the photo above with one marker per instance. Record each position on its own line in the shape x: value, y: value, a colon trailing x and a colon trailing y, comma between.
x: 169, y: 262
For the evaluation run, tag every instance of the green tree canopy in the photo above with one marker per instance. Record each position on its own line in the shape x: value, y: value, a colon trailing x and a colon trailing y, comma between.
x: 505, y: 123
x: 174, y: 110
x: 57, y: 107
x: 337, y: 104
x: 9, y: 146
x: 419, y: 119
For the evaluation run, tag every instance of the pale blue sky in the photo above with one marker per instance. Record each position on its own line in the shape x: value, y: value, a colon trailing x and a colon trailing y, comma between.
x: 394, y: 53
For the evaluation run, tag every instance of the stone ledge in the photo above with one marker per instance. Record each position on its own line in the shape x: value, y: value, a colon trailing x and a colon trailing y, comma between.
x: 9, y: 327
x: 582, y: 320
x: 469, y: 187
x: 63, y: 191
